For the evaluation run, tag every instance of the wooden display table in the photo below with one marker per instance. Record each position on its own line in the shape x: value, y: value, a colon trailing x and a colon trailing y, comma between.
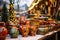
x: 49, y: 36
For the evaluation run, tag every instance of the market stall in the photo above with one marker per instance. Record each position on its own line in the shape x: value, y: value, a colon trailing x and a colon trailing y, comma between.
x: 40, y: 21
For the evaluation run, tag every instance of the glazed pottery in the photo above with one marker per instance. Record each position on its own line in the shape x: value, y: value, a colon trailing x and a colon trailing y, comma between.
x: 14, y: 32
x: 3, y: 31
x: 43, y: 29
x: 33, y: 30
x: 24, y: 30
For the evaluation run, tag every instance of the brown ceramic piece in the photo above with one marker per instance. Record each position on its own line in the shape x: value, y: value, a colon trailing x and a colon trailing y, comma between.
x: 33, y: 30
x: 24, y: 29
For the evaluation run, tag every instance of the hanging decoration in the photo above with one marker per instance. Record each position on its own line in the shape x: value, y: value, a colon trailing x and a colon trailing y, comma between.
x: 12, y: 15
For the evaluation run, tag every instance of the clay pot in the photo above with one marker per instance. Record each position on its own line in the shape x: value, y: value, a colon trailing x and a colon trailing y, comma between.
x: 24, y: 30
x: 3, y: 31
x: 43, y: 29
x: 14, y: 32
x: 33, y: 30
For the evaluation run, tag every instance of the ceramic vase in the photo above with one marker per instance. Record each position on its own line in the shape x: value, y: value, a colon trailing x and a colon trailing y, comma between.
x: 24, y: 30
x: 14, y: 32
x: 33, y: 30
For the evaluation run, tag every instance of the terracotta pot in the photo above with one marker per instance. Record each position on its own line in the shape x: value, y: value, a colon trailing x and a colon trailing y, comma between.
x: 3, y: 31
x: 33, y: 30
x: 14, y: 32
x: 24, y: 29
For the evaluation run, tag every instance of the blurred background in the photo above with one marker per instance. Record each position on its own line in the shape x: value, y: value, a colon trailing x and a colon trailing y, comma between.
x: 18, y: 4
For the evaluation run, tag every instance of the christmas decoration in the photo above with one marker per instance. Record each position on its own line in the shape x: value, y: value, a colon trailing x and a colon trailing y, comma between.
x: 4, y: 13
x: 12, y: 15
